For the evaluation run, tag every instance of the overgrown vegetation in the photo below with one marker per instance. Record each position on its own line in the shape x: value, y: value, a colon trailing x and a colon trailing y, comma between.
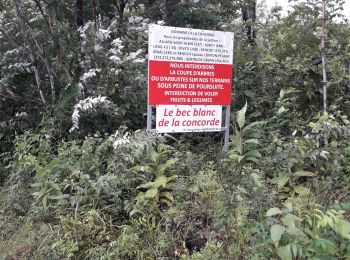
x: 80, y: 178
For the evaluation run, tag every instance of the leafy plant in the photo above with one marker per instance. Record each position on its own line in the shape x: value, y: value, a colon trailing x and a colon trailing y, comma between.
x: 244, y: 142
x: 301, y: 232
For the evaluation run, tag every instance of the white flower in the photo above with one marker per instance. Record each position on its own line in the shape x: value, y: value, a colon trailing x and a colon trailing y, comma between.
x: 139, y: 60
x: 103, y: 34
x: 22, y: 114
x: 121, y: 140
x: 324, y: 154
x: 90, y: 74
x: 133, y: 55
x: 85, y: 105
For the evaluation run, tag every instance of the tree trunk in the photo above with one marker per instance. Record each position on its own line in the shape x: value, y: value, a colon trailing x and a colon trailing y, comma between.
x: 150, y: 10
x: 81, y: 56
x: 96, y: 13
x: 80, y: 13
x: 31, y: 52
x: 249, y: 17
x: 61, y: 51
x: 170, y: 6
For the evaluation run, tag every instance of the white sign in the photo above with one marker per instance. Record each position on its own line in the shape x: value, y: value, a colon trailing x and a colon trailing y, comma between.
x: 190, y: 45
x: 187, y: 118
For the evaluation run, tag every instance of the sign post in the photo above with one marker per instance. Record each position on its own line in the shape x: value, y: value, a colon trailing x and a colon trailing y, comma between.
x: 189, y: 79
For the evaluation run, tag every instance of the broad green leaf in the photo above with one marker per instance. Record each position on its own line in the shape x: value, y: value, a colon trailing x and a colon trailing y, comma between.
x: 304, y: 173
x: 239, y: 157
x: 253, y: 125
x: 285, y: 252
x: 288, y: 206
x: 276, y: 232
x: 301, y: 190
x: 51, y: 165
x: 295, y: 249
x: 151, y: 193
x: 40, y: 171
x: 282, y: 92
x: 152, y: 155
x: 251, y: 141
x: 167, y: 195
x: 241, y: 116
x: 315, y: 125
x: 256, y: 179
x: 162, y: 167
x: 55, y: 186
x: 171, y: 178
x: 160, y: 181
x: 251, y: 159
x: 290, y: 219
x: 253, y: 153
x: 281, y: 180
x: 273, y: 212
x: 343, y: 228
x: 281, y: 110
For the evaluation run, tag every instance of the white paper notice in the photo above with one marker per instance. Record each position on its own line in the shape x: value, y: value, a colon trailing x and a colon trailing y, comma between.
x: 190, y: 45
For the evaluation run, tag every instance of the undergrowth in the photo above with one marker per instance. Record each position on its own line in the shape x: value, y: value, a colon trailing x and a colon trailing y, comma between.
x: 134, y: 195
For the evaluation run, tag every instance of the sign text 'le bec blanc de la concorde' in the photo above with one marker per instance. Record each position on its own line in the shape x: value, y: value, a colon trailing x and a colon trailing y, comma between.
x: 189, y: 77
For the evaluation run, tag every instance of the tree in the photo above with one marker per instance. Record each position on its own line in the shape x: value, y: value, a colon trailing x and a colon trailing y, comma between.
x: 249, y: 18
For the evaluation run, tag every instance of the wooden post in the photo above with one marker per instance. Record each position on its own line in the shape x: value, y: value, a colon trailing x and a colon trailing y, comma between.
x: 323, y: 56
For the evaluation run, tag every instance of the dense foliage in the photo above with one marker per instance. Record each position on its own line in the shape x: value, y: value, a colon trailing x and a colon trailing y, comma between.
x: 80, y: 178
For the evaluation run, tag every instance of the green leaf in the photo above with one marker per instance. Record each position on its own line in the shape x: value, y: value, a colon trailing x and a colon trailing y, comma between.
x: 160, y: 181
x: 290, y: 220
x: 251, y: 159
x: 162, y: 167
x: 253, y: 153
x: 256, y: 179
x: 274, y: 59
x: 51, y: 165
x: 301, y: 190
x: 40, y: 171
x: 281, y: 180
x: 281, y: 110
x: 55, y: 186
x: 171, y: 178
x: 251, y: 141
x: 288, y: 205
x: 151, y: 193
x: 343, y: 228
x: 282, y: 92
x: 285, y: 252
x: 276, y: 232
x: 295, y: 249
x: 167, y: 195
x: 304, y: 173
x: 140, y: 168
x: 45, y: 201
x: 134, y: 211
x: 241, y: 116
x: 273, y: 212
x: 152, y: 155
